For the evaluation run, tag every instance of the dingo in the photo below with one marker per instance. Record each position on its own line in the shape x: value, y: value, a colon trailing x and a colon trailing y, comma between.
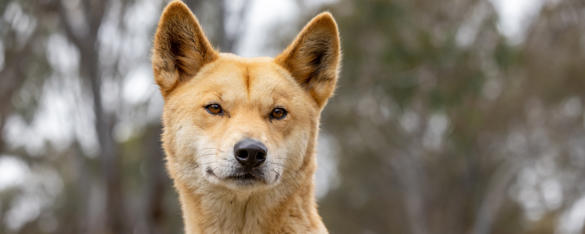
x: 240, y: 133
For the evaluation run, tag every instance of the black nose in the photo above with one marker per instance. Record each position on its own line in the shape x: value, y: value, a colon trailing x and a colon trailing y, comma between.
x: 250, y: 153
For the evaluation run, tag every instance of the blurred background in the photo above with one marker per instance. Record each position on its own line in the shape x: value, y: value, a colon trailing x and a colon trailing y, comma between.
x: 454, y: 116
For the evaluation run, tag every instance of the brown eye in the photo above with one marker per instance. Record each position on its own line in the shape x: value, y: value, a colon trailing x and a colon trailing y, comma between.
x: 278, y: 113
x: 214, y: 109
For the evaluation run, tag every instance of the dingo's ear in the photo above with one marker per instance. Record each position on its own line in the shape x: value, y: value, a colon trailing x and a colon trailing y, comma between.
x: 313, y: 57
x: 180, y: 47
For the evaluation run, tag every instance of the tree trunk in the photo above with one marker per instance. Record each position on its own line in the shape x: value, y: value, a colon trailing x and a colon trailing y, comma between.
x: 156, y: 181
x: 89, y: 48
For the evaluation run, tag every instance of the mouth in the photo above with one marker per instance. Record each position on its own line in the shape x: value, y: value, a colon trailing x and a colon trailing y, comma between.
x: 242, y: 176
x: 245, y: 176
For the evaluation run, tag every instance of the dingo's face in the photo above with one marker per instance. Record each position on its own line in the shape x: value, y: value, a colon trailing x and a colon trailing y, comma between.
x: 240, y: 123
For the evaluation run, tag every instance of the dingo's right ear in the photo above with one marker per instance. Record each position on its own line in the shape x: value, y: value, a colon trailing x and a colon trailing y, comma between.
x: 180, y: 47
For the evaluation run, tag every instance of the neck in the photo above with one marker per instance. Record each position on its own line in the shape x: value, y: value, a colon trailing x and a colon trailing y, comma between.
x: 287, y: 207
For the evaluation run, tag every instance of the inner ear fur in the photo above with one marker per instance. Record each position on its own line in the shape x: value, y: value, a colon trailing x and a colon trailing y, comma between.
x: 313, y: 57
x: 180, y: 47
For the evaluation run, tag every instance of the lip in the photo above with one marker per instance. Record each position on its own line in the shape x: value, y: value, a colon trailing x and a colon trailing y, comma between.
x: 247, y: 177
x: 241, y: 177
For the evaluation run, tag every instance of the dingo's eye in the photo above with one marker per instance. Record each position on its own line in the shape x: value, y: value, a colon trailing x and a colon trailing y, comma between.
x: 214, y: 109
x: 278, y: 113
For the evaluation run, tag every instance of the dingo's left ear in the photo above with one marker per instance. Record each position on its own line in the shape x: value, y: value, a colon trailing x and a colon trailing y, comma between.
x: 313, y: 58
x: 180, y: 47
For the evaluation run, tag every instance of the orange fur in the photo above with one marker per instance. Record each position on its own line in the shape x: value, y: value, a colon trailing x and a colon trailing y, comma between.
x: 199, y: 145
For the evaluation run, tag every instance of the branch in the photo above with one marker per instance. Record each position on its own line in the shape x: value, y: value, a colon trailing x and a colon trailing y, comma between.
x: 495, y: 196
x: 94, y: 14
x: 69, y: 31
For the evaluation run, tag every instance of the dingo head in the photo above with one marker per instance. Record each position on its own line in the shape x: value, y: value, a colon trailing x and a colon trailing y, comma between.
x: 241, y: 123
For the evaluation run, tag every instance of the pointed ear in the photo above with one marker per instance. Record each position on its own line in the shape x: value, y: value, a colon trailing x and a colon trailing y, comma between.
x: 180, y: 47
x: 313, y: 57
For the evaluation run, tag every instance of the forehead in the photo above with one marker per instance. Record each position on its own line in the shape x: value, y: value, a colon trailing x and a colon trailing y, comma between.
x: 252, y: 78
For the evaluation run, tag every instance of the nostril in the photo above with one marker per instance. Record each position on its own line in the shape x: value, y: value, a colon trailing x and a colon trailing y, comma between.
x: 242, y: 154
x: 260, y: 156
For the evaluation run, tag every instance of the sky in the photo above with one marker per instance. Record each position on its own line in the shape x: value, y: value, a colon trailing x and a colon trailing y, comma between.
x: 515, y: 15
